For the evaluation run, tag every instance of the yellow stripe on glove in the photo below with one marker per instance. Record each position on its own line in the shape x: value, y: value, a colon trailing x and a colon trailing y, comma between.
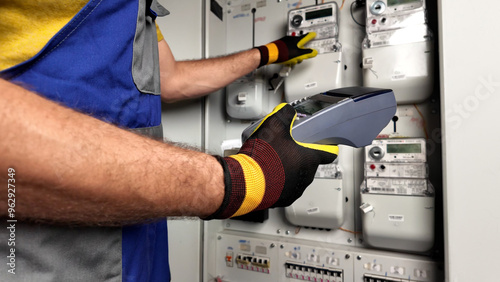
x: 255, y: 184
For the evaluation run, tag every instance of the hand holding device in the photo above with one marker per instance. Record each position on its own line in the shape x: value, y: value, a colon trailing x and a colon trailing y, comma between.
x: 271, y: 169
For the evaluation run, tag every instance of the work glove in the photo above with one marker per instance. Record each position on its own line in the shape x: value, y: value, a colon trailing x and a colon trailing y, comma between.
x: 287, y: 50
x: 271, y: 169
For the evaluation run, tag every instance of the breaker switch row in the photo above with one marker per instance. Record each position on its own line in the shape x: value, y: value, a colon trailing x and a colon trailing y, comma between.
x: 253, y: 263
x: 379, y: 278
x: 313, y: 273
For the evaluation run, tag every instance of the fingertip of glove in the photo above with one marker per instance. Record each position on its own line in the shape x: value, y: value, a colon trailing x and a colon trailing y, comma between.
x: 310, y: 35
x: 330, y: 158
x: 306, y: 38
x: 283, y: 112
x: 287, y: 110
x: 314, y: 53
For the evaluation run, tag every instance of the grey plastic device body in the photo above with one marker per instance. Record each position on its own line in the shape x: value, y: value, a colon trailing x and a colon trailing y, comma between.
x: 352, y: 116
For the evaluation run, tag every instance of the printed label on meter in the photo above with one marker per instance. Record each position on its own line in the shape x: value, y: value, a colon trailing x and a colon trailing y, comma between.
x: 411, y: 34
x: 403, y: 170
x: 397, y: 186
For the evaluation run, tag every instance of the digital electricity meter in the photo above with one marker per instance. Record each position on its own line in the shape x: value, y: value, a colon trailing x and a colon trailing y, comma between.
x: 321, y: 19
x: 397, y: 197
x: 325, y: 71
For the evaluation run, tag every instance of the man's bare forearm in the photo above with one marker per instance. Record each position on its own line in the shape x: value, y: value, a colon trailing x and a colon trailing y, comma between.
x: 191, y: 79
x: 72, y: 168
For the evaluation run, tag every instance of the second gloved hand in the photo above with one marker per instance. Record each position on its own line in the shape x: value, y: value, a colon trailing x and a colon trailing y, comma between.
x: 271, y: 169
x: 287, y: 50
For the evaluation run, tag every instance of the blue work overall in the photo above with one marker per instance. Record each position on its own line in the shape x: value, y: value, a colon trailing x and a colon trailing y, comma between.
x: 104, y: 62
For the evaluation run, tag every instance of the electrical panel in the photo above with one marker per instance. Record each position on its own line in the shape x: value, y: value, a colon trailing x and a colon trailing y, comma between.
x: 247, y: 258
x: 369, y: 216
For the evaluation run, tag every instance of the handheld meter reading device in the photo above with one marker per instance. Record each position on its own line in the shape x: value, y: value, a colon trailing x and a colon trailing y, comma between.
x: 352, y: 116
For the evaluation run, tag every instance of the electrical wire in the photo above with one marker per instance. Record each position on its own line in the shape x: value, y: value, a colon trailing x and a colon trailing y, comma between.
x: 424, y: 124
x: 342, y: 6
x: 352, y: 15
x: 323, y: 2
x: 350, y: 231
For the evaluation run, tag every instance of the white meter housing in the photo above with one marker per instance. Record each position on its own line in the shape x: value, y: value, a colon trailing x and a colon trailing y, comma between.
x: 397, y: 198
x: 324, y: 72
x: 398, y: 50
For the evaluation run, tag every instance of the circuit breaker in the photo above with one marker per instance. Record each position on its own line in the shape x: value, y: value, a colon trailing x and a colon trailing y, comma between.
x: 247, y: 258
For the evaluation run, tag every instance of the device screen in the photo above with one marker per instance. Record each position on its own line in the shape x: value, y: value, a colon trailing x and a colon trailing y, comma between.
x: 404, y: 148
x: 318, y: 14
x: 399, y: 2
x: 309, y: 107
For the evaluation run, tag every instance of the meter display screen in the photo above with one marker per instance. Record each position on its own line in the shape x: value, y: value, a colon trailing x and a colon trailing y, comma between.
x: 309, y: 107
x: 403, y: 148
x: 319, y: 14
x: 399, y: 2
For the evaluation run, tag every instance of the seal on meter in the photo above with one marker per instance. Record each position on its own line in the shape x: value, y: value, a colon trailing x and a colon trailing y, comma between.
x: 352, y: 116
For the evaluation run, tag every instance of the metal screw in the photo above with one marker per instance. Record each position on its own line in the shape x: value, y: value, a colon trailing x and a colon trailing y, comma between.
x: 282, y: 246
x: 287, y: 232
x: 348, y: 256
x: 349, y: 240
x: 272, y: 245
x: 219, y: 237
x: 278, y: 231
x: 358, y: 257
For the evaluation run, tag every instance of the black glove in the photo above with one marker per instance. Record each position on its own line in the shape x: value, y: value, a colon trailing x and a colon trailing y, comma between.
x: 271, y: 169
x: 287, y: 50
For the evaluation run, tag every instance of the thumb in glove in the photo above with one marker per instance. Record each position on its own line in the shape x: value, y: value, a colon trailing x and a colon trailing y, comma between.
x: 287, y: 50
x: 271, y: 169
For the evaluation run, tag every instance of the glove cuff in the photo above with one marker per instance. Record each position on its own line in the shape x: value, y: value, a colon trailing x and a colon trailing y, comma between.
x: 264, y: 55
x: 245, y: 186
x: 219, y: 214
